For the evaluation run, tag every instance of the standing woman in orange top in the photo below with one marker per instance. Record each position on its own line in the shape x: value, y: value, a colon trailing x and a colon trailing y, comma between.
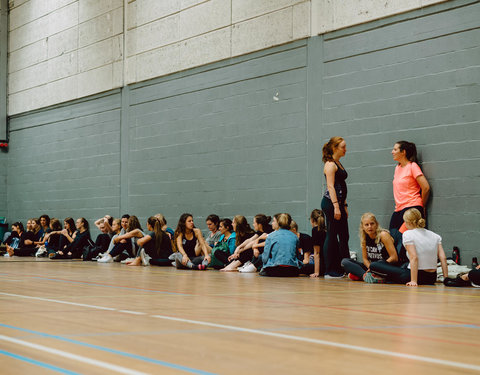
x: 410, y: 187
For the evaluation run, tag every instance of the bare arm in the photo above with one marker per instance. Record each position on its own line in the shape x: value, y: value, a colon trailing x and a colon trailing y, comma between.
x: 387, y: 240
x: 443, y: 260
x: 425, y: 187
x: 365, y: 260
x: 133, y: 233
x: 203, y: 244
x: 329, y: 170
x: 142, y: 241
x: 412, y: 255
x: 316, y: 257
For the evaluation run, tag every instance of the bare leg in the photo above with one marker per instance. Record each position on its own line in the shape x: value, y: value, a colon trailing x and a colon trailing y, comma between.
x: 135, y: 262
x: 232, y: 267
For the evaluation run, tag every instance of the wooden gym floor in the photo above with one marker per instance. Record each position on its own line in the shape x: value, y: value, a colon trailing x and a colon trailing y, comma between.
x: 76, y: 317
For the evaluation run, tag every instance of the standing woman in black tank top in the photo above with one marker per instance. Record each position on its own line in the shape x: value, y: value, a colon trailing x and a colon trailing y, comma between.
x: 334, y: 205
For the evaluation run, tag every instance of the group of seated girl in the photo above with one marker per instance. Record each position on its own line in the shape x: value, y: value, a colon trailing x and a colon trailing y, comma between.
x: 274, y: 249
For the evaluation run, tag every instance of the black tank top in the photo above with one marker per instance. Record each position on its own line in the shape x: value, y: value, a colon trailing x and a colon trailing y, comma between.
x: 340, y: 185
x: 375, y: 252
x: 189, y: 246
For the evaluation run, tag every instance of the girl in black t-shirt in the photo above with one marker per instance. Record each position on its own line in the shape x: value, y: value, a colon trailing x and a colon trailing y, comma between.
x: 79, y: 240
x: 26, y: 246
x: 319, y: 232
x: 377, y: 245
x: 155, y: 246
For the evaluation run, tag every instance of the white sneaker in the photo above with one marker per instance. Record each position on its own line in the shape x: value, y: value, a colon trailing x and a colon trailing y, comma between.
x: 172, y: 256
x: 7, y: 255
x: 106, y: 259
x: 247, y: 263
x: 41, y: 251
x: 145, y: 258
x: 248, y: 268
x: 334, y: 276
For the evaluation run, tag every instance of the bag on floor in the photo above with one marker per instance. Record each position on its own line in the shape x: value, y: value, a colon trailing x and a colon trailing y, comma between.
x: 215, y: 263
x: 90, y: 251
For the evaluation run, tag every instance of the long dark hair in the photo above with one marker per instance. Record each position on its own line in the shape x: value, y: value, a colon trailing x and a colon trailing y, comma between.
x: 85, y: 223
x: 181, y: 227
x: 47, y: 219
x: 20, y: 226
x: 71, y: 224
x: 227, y: 223
x: 160, y: 235
x: 410, y: 150
x: 133, y: 223
x: 264, y: 221
x: 243, y: 230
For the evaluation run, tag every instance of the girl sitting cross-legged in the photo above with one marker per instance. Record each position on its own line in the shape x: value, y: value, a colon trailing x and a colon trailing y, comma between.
x: 377, y: 245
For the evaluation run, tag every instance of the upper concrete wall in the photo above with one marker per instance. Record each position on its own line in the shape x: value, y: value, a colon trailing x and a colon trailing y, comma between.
x: 60, y: 50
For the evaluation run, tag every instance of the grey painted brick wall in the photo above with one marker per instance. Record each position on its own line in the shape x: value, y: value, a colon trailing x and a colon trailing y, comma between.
x: 65, y: 161
x: 244, y: 136
x: 3, y: 184
x: 413, y: 80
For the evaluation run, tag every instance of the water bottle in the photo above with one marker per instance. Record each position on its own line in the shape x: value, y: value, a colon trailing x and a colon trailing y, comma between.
x: 474, y: 263
x: 456, y: 254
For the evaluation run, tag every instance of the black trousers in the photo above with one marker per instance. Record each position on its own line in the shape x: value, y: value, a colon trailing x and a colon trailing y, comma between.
x: 396, y: 220
x: 401, y: 275
x: 336, y: 241
x: 280, y: 271
x: 354, y: 267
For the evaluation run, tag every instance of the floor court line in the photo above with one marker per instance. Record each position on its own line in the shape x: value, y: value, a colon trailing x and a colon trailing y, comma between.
x: 38, y: 363
x: 284, y: 336
x: 75, y: 357
x: 109, y: 350
x: 264, y: 300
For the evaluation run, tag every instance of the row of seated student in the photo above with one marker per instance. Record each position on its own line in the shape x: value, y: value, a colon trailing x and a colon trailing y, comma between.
x: 273, y: 246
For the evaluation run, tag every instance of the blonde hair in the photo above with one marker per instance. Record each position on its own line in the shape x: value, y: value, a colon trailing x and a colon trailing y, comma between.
x: 361, y: 232
x: 284, y: 220
x: 318, y: 217
x: 294, y: 226
x: 329, y: 148
x: 414, y: 217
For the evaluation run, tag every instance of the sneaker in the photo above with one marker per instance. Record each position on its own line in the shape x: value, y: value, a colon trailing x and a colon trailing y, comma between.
x: 172, y: 256
x: 474, y: 285
x: 145, y: 258
x: 106, y: 259
x: 7, y: 255
x: 248, y: 268
x: 239, y: 269
x: 371, y: 278
x: 334, y: 275
x: 353, y: 277
x: 41, y: 252
x: 127, y: 260
x: 455, y: 282
x: 201, y: 267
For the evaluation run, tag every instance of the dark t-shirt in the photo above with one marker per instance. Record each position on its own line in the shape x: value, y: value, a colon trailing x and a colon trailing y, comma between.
x: 318, y: 237
x: 165, y: 246
x: 26, y: 236
x: 54, y: 242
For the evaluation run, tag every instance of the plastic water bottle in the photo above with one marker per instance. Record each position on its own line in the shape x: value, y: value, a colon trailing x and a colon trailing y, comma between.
x: 456, y: 254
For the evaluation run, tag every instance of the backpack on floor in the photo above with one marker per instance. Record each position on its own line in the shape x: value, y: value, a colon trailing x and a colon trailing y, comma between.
x: 90, y: 251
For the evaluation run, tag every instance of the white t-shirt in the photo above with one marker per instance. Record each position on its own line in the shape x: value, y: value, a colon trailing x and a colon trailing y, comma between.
x: 426, y: 244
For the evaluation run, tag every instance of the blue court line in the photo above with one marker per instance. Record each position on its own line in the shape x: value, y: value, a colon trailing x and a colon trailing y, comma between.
x: 38, y: 363
x: 113, y: 351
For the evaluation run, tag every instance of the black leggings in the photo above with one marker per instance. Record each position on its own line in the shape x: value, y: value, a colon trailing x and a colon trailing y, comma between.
x: 25, y: 251
x: 280, y: 271
x: 160, y: 262
x: 120, y: 248
x: 401, y: 275
x: 354, y: 267
x: 396, y: 220
x: 474, y: 276
x: 336, y: 241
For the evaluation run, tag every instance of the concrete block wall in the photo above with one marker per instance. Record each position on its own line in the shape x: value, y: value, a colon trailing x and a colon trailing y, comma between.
x: 63, y: 50
x: 228, y: 140
x: 3, y: 184
x: 65, y: 161
x: 382, y: 85
x: 174, y: 35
